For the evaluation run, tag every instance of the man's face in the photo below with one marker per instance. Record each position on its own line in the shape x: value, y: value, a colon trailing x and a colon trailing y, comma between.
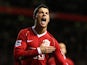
x: 42, y: 17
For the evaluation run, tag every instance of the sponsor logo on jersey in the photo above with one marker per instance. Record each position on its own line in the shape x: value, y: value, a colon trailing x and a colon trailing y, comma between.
x: 40, y: 57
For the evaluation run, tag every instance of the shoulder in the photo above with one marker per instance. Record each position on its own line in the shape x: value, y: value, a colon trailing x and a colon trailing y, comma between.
x: 50, y: 34
x: 52, y: 37
x: 24, y: 30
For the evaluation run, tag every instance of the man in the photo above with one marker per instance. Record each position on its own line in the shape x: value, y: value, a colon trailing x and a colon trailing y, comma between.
x: 35, y: 45
x: 64, y: 51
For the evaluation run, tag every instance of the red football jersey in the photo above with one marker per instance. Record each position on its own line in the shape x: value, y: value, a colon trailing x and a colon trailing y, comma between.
x: 27, y: 43
x: 69, y: 61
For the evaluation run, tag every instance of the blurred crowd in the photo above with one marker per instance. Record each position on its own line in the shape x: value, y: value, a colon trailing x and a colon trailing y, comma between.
x: 72, y: 33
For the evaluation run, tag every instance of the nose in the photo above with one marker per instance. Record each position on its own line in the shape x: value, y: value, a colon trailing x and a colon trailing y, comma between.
x: 44, y: 14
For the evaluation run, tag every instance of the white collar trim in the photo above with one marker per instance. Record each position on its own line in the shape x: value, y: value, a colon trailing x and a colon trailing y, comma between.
x: 39, y: 35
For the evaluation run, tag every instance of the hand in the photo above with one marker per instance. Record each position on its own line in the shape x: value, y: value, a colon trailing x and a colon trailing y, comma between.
x: 47, y: 49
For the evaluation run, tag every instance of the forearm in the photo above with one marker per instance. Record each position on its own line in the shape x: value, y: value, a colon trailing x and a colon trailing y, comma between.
x: 60, y: 57
x: 25, y: 53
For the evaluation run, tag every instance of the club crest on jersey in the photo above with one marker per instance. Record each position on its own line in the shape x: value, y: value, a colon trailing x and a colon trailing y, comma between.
x: 18, y: 43
x: 46, y: 42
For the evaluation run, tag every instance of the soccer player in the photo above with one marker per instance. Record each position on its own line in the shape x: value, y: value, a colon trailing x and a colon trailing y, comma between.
x: 64, y: 51
x: 35, y: 45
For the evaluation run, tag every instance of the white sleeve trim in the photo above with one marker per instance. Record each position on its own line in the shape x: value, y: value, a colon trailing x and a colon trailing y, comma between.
x: 39, y: 50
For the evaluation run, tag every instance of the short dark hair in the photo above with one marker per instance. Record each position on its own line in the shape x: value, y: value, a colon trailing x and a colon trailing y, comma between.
x: 38, y: 7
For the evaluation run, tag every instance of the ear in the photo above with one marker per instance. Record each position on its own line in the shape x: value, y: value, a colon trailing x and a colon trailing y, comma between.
x: 34, y: 17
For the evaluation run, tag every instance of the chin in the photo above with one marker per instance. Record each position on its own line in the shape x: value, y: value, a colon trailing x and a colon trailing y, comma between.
x: 43, y: 26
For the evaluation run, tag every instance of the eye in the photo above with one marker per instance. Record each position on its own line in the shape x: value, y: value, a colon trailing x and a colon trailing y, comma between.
x: 40, y: 12
x: 47, y: 13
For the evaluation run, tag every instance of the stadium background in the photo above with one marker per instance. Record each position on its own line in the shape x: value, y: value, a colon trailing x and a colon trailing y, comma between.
x: 68, y: 24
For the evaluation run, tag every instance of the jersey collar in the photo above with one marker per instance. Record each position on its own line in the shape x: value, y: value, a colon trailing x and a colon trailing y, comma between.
x: 39, y: 35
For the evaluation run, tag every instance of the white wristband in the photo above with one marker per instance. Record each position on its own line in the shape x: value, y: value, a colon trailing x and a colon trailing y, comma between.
x: 39, y: 50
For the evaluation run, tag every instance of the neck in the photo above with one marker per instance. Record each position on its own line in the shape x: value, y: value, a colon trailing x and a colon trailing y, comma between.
x: 40, y: 30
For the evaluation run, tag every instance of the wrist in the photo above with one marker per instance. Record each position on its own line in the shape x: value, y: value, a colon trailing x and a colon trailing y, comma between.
x: 39, y: 50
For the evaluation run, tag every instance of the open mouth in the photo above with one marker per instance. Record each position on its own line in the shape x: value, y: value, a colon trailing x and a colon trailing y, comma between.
x: 43, y: 19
